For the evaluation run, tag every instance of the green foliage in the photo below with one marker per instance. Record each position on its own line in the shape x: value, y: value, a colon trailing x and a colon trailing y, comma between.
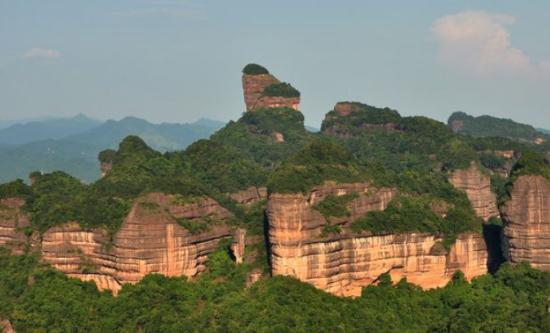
x: 217, y: 301
x: 254, y: 69
x: 487, y: 126
x: 14, y: 189
x: 531, y: 163
x: 319, y: 161
x: 106, y: 156
x: 359, y: 118
x: 282, y: 89
x: 415, y: 214
x: 336, y: 206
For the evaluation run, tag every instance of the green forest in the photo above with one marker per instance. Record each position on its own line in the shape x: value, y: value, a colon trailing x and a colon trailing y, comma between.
x: 39, y: 299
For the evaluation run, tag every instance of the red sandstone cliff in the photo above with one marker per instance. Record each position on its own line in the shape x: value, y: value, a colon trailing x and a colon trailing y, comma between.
x: 477, y: 186
x: 12, y: 223
x: 527, y: 222
x: 344, y: 263
x: 254, y: 98
x: 149, y: 241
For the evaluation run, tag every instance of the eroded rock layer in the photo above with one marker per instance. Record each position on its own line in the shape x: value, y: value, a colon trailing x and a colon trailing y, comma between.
x: 12, y: 224
x: 149, y: 241
x: 343, y: 263
x: 478, y: 189
x: 254, y: 98
x: 527, y: 222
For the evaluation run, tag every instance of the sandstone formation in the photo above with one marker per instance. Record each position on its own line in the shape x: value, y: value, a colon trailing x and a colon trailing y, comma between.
x: 149, y: 241
x: 478, y: 189
x: 250, y: 195
x: 105, y: 168
x: 12, y: 224
x: 254, y: 98
x: 5, y: 326
x: 527, y: 222
x: 343, y: 263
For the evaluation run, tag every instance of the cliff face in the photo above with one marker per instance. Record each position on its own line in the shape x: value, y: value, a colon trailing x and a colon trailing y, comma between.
x: 149, y: 241
x: 12, y: 223
x: 254, y: 98
x: 344, y: 263
x: 478, y: 189
x: 527, y: 222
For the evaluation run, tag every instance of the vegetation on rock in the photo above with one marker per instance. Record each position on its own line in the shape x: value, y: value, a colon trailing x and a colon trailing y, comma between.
x: 254, y: 69
x: 282, y: 89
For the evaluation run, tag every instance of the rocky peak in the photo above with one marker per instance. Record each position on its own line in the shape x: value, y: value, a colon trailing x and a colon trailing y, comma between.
x: 263, y: 90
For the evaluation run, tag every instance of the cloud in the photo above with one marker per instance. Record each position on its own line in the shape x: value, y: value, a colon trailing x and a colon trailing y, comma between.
x: 479, y: 42
x: 41, y: 53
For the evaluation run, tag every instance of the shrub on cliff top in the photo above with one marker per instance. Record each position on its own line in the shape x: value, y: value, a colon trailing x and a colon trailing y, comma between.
x: 531, y: 163
x: 254, y: 69
x: 282, y: 89
x: 16, y: 188
x: 361, y: 115
x: 319, y: 161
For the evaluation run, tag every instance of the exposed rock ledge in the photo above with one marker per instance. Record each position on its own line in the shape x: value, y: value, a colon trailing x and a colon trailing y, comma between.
x: 478, y: 190
x: 344, y: 263
x: 527, y: 222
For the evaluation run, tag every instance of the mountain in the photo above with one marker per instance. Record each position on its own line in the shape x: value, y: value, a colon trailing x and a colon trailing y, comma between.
x: 265, y: 227
x: 488, y: 126
x: 77, y: 154
x: 545, y: 131
x: 47, y: 129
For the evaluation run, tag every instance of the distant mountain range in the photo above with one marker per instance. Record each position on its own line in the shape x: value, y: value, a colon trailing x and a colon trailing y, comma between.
x: 488, y: 126
x: 72, y: 144
x: 545, y: 131
x: 54, y: 128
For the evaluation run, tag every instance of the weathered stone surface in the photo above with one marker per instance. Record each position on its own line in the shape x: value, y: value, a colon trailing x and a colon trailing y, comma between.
x: 149, y: 241
x: 105, y: 168
x: 250, y: 195
x: 12, y: 222
x: 238, y: 246
x: 344, y: 263
x: 254, y: 86
x: 527, y: 222
x: 478, y: 189
x: 5, y: 326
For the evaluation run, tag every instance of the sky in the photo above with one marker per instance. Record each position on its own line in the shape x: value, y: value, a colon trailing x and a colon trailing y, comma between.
x: 178, y: 61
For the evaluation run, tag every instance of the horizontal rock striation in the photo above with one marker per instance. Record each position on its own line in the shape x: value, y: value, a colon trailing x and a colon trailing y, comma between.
x: 527, y: 222
x: 343, y: 263
x: 254, y: 98
x: 478, y: 190
x: 149, y: 241
x: 12, y: 224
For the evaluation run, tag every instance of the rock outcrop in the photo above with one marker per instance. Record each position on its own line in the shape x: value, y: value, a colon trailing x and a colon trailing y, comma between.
x: 12, y: 224
x: 150, y: 241
x: 254, y: 86
x: 527, y: 222
x: 249, y: 196
x: 5, y: 326
x: 343, y: 263
x: 478, y: 189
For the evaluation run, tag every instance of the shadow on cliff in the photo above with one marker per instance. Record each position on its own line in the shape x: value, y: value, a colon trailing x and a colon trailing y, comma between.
x: 492, y: 236
x: 266, y: 240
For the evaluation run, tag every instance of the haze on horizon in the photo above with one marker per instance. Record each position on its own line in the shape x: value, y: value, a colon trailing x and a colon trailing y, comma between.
x: 178, y: 61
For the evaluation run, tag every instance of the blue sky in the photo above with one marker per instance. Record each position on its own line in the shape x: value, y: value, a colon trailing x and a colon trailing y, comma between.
x: 177, y: 61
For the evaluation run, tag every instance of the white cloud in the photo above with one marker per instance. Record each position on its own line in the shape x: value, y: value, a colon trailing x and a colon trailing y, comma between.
x: 41, y: 53
x: 479, y: 42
